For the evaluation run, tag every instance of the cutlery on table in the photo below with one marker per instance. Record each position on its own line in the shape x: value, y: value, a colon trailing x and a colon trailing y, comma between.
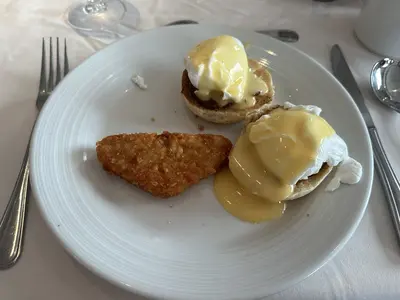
x: 391, y: 185
x: 284, y: 35
x: 12, y: 222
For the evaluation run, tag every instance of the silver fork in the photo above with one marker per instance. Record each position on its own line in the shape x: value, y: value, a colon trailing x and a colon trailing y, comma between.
x: 13, y: 220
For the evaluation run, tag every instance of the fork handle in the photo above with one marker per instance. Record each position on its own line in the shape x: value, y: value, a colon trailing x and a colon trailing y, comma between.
x: 391, y: 185
x: 13, y: 220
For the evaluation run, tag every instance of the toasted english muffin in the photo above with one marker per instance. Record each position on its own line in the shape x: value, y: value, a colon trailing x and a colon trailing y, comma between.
x: 210, y: 111
x: 303, y: 187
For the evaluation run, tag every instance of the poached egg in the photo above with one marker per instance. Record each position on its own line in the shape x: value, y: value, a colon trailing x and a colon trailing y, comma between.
x: 219, y: 69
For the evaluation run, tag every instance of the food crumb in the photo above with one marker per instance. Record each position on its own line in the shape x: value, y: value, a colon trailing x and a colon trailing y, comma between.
x: 171, y: 205
x: 174, y: 110
x: 308, y: 215
x: 169, y: 222
x: 153, y: 119
x: 139, y: 81
x: 200, y: 127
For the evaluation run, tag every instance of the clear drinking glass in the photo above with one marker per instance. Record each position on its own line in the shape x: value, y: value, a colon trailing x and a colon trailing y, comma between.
x: 103, y: 19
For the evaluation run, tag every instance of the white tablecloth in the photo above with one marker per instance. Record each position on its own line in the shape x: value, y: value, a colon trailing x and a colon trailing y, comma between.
x: 369, y: 265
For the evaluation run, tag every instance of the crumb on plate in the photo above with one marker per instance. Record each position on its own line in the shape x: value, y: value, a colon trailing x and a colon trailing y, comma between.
x: 139, y: 81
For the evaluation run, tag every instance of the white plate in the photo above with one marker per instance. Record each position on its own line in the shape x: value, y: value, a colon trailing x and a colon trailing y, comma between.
x: 187, y: 247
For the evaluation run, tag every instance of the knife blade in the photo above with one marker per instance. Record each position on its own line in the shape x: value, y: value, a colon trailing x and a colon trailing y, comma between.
x: 390, y: 183
x: 342, y: 72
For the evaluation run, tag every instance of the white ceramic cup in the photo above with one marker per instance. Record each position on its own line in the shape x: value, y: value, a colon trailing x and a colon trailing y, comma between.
x: 378, y: 27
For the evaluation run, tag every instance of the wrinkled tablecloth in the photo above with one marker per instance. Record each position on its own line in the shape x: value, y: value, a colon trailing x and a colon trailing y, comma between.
x: 369, y: 265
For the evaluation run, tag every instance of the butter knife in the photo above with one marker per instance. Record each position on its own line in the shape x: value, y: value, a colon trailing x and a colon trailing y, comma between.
x: 284, y: 35
x: 390, y: 183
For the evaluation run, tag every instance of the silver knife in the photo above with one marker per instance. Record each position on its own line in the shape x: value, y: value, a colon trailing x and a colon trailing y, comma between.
x: 285, y: 35
x: 391, y: 185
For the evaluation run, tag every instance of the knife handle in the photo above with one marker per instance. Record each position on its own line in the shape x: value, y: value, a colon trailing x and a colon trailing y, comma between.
x: 391, y: 185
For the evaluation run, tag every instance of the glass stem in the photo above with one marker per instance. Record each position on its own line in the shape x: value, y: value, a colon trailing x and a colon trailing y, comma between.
x: 95, y: 6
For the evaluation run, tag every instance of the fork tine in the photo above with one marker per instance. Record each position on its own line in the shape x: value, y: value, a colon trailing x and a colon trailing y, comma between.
x: 66, y: 64
x: 58, y: 68
x: 50, y: 83
x: 42, y: 84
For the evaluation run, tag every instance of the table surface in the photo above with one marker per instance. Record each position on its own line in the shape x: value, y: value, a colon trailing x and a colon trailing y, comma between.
x: 369, y: 265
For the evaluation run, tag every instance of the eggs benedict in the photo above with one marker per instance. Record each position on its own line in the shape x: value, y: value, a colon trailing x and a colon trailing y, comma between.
x: 220, y: 83
x: 282, y: 154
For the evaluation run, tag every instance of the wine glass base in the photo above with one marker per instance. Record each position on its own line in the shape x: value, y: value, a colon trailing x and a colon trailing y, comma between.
x: 109, y: 19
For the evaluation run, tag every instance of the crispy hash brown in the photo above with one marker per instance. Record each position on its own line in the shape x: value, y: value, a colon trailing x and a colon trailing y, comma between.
x: 163, y: 164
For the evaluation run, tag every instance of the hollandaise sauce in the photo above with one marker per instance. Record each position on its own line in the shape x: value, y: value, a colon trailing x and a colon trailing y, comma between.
x: 224, y: 75
x: 267, y: 161
x: 240, y: 203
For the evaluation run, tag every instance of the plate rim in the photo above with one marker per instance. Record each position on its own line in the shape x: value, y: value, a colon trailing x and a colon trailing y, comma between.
x: 311, y: 269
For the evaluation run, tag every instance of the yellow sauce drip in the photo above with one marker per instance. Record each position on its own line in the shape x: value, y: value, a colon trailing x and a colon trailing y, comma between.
x: 267, y: 161
x: 242, y: 204
x: 223, y: 69
x: 247, y: 168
